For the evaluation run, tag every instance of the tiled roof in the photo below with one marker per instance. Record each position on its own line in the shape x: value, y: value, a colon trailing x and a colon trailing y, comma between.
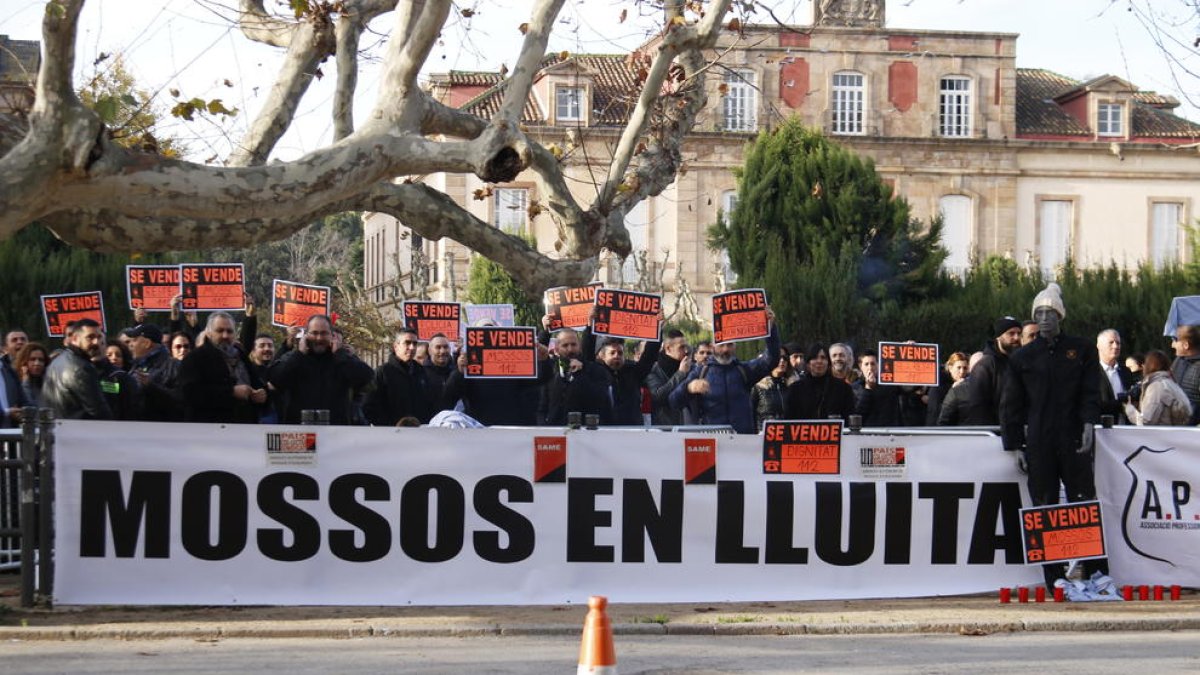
x: 19, y: 60
x: 473, y: 78
x: 1039, y: 115
x: 614, y: 90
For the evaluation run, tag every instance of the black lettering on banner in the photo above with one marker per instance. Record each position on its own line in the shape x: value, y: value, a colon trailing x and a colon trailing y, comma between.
x: 944, y: 530
x: 102, y: 501
x: 781, y: 522
x: 376, y: 530
x: 998, y: 502
x: 664, y: 527
x: 731, y: 524
x: 518, y: 528
x: 1151, y: 505
x: 897, y: 524
x: 1181, y: 493
x: 306, y: 531
x: 583, y: 519
x: 232, y: 515
x: 450, y: 518
x: 860, y: 525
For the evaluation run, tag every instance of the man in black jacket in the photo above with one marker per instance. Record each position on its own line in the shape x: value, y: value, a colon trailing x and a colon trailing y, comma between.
x: 1048, y: 414
x: 671, y: 368
x: 621, y: 382
x: 319, y: 374
x: 157, y: 374
x: 986, y: 383
x: 217, y: 379
x: 401, y: 388
x: 72, y: 384
x: 573, y: 385
x: 441, y: 365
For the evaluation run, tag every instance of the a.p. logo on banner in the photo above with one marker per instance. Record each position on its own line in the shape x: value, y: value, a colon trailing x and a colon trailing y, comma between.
x: 908, y: 363
x: 64, y: 308
x: 498, y: 352
x: 151, y: 287
x: 570, y: 307
x: 293, y: 303
x: 1062, y: 532
x: 802, y: 447
x: 431, y: 318
x: 740, y: 315
x: 627, y: 314
x: 700, y: 461
x: 212, y: 287
x: 549, y: 459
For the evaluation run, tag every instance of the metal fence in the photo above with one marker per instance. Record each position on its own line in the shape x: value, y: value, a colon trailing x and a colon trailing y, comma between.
x: 26, y: 499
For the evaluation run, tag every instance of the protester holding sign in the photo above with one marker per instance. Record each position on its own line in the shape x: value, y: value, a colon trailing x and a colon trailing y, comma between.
x: 718, y: 392
x: 1048, y: 413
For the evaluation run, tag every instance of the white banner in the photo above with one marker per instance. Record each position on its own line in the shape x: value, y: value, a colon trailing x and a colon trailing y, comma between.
x: 203, y: 514
x: 1144, y: 477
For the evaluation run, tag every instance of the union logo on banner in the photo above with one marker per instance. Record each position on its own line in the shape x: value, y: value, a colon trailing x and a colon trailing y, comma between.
x: 700, y: 461
x: 549, y: 459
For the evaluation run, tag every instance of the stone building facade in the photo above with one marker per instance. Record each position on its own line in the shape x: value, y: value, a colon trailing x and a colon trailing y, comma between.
x: 1019, y: 162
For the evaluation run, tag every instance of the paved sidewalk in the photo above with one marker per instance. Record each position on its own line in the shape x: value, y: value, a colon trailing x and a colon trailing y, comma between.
x: 974, y: 615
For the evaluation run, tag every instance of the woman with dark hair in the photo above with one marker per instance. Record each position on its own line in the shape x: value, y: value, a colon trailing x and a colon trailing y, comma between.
x: 769, y: 395
x: 180, y: 345
x: 1163, y: 402
x: 119, y: 356
x: 817, y: 395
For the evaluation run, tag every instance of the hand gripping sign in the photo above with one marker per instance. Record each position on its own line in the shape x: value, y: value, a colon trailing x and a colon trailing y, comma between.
x: 570, y: 307
x: 908, y: 363
x: 293, y: 303
x: 740, y: 315
x: 212, y: 287
x: 60, y: 310
x: 431, y: 318
x: 151, y: 287
x: 627, y: 314
x: 498, y: 352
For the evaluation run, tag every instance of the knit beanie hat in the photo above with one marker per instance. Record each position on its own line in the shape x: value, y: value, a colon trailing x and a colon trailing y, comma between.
x: 1051, y: 297
x: 1003, y: 325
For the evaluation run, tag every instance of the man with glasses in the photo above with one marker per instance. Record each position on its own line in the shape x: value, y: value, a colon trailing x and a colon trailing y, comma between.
x: 218, y: 381
x: 1186, y: 367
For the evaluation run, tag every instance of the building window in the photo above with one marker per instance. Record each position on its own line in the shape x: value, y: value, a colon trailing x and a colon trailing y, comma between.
x: 1166, y: 233
x: 848, y: 96
x: 1108, y: 119
x: 954, y: 106
x: 568, y: 104
x: 729, y: 202
x: 741, y: 101
x: 511, y: 209
x: 957, y: 229
x: 1054, y: 233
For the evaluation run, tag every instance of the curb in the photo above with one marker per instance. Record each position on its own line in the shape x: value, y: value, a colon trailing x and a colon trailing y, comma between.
x: 282, y: 631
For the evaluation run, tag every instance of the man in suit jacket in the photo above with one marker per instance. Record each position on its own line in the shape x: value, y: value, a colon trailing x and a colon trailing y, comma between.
x: 1115, y: 378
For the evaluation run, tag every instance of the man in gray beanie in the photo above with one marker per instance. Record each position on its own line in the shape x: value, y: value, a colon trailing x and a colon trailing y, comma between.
x: 1048, y: 413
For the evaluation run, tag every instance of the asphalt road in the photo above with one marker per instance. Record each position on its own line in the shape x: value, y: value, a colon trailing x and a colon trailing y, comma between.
x: 1095, y: 653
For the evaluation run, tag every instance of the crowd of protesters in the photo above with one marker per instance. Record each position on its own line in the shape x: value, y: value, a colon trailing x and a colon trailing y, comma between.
x: 223, y: 372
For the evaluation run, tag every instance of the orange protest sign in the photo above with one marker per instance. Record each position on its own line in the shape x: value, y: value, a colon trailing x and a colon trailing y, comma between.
x: 500, y: 352
x: 62, y: 309
x: 293, y: 303
x: 212, y: 287
x: 570, y: 307
x: 908, y: 363
x: 431, y: 318
x: 627, y: 314
x: 1062, y: 532
x: 802, y: 447
x: 740, y: 315
x: 151, y: 287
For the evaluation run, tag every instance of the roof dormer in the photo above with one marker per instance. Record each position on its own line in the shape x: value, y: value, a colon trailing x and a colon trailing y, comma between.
x: 564, y: 92
x: 1103, y: 104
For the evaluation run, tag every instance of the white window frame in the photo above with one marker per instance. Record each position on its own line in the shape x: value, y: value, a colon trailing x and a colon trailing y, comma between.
x: 740, y: 103
x: 1167, y: 233
x: 729, y: 201
x: 510, y: 209
x: 847, y: 107
x: 568, y: 104
x: 954, y: 106
x: 1055, y: 231
x: 958, y: 231
x: 1110, y: 119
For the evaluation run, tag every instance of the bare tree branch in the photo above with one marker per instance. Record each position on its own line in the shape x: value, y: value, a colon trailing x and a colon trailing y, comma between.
x: 257, y: 25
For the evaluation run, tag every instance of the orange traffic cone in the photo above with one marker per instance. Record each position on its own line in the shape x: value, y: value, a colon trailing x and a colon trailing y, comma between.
x: 596, y: 653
